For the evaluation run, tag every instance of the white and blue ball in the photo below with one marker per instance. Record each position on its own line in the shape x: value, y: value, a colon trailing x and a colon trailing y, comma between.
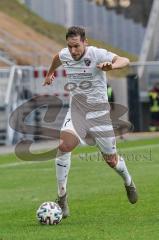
x: 49, y: 213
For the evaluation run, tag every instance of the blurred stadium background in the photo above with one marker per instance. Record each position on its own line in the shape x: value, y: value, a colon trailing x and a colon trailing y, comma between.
x: 35, y: 30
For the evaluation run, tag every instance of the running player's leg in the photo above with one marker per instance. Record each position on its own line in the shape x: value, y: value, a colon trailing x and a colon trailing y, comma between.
x: 63, y: 162
x: 108, y: 150
x: 68, y: 141
x: 63, y: 159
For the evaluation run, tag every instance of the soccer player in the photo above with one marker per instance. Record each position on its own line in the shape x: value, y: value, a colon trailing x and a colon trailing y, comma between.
x: 85, y: 69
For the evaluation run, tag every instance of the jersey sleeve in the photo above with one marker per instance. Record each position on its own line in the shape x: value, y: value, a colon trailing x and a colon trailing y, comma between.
x: 63, y: 55
x: 102, y: 55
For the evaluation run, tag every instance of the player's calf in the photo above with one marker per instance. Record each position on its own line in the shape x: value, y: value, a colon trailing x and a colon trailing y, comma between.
x: 111, y: 159
x: 118, y: 164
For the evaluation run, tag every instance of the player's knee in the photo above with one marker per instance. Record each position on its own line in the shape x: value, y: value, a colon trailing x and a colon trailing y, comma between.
x: 111, y: 159
x: 65, y: 147
x: 68, y: 141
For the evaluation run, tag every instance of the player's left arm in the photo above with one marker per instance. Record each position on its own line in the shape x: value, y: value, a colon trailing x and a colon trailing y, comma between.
x: 117, y: 63
x: 120, y: 62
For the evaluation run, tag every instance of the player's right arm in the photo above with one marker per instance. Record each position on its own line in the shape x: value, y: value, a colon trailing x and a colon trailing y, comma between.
x: 50, y: 74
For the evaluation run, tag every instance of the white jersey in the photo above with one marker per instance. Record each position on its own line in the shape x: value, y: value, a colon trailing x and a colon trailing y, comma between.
x: 83, y: 77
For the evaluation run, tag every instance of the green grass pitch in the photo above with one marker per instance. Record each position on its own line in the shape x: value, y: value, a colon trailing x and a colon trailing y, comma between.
x: 97, y: 199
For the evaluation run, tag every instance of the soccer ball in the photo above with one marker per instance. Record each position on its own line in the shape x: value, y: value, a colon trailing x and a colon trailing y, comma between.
x: 49, y: 213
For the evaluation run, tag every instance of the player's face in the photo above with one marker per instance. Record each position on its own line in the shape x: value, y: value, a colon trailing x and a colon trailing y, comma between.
x: 76, y: 47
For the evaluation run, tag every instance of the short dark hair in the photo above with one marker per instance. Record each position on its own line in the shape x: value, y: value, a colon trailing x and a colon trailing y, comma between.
x: 76, y: 31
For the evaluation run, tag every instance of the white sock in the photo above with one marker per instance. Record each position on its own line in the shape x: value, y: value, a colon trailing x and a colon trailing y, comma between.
x: 62, y: 163
x: 122, y: 170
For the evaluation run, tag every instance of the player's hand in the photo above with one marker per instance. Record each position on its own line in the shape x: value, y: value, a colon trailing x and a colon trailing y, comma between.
x: 106, y: 66
x: 48, y: 80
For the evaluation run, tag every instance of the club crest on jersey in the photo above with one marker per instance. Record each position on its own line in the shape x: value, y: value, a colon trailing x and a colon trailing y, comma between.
x: 87, y: 61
